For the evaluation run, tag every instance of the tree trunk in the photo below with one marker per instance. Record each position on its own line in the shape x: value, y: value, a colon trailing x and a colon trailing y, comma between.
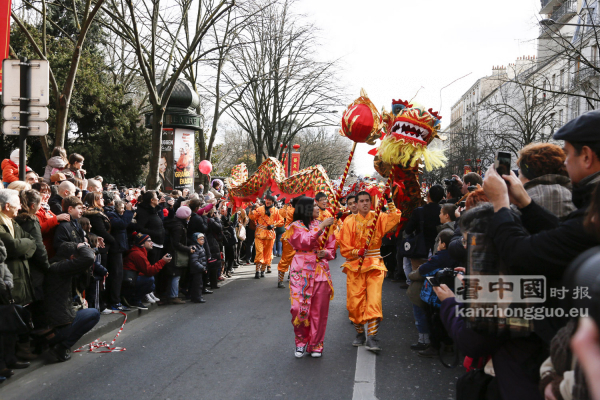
x: 157, y: 123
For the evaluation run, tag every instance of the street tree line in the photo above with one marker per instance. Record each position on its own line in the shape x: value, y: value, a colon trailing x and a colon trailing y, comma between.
x: 111, y: 61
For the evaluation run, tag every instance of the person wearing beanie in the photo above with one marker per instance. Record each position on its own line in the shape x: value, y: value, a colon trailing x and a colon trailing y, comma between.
x: 198, y: 261
x: 137, y: 266
x: 179, y: 249
x: 10, y: 168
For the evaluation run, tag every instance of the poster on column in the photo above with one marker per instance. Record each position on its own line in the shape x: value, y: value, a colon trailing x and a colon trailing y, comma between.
x: 166, y: 167
x: 183, y: 156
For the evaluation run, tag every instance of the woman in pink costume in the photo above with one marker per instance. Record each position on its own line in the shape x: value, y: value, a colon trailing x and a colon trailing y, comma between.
x: 310, y: 281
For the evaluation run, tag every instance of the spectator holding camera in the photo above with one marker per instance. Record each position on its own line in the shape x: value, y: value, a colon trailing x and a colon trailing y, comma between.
x: 67, y: 325
x: 469, y: 180
x: 136, y: 263
x: 426, y: 312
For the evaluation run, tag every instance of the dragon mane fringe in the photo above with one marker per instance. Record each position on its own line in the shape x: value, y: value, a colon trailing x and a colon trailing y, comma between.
x: 398, y: 151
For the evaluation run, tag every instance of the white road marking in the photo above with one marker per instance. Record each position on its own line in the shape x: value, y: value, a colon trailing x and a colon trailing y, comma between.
x: 364, y: 377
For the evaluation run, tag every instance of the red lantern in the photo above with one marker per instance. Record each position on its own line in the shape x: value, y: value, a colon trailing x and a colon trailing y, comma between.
x: 296, y: 147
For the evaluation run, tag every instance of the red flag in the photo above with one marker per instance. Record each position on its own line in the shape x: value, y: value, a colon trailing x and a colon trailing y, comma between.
x: 4, y: 33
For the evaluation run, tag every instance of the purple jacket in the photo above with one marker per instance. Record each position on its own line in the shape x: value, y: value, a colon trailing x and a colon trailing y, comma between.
x: 516, y: 361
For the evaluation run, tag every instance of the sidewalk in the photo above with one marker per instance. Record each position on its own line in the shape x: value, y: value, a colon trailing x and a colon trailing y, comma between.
x: 112, y: 322
x: 107, y: 324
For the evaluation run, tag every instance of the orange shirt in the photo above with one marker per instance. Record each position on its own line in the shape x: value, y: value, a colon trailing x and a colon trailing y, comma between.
x: 323, y: 215
x: 262, y: 221
x: 287, y: 212
x: 353, y: 237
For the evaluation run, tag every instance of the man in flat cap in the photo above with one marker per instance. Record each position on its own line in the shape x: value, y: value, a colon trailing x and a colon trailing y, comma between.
x: 538, y: 244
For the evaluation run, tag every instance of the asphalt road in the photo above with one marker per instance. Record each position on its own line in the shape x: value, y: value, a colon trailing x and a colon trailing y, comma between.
x: 239, y: 345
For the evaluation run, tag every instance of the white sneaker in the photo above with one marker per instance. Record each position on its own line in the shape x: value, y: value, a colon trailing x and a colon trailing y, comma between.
x: 316, y: 355
x: 107, y: 311
x: 156, y: 299
x: 299, y: 351
x: 149, y: 299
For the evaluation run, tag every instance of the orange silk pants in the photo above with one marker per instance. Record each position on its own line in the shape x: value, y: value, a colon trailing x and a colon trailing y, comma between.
x: 363, y: 291
x: 264, y: 252
x: 287, y: 255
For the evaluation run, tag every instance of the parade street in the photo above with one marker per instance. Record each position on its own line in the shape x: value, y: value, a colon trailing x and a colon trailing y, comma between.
x: 239, y: 345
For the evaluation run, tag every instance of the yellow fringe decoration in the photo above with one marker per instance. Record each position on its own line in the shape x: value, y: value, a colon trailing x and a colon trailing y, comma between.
x: 398, y: 151
x: 297, y: 322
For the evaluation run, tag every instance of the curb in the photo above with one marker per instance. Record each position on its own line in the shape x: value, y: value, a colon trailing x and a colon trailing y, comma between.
x: 107, y: 324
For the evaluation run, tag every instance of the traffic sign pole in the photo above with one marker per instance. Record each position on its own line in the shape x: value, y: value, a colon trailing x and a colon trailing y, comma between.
x: 24, y: 120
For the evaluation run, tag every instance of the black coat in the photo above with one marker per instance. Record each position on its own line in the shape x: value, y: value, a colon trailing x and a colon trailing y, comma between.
x: 68, y: 231
x: 58, y: 286
x: 101, y: 226
x: 538, y: 244
x: 214, y: 236
x: 196, y: 224
x: 55, y: 203
x: 229, y: 238
x: 431, y: 216
x: 178, y: 241
x: 119, y: 224
x: 149, y: 222
x: 38, y: 264
x: 198, y: 260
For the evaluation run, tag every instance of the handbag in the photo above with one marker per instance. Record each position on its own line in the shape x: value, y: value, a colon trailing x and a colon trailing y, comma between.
x: 14, y: 319
x: 129, y: 277
x: 413, y: 246
x: 183, y: 259
x: 241, y: 232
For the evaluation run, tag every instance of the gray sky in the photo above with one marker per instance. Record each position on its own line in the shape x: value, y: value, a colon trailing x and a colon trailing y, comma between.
x: 393, y: 47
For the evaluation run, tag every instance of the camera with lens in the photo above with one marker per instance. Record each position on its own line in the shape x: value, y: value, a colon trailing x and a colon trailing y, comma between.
x: 450, y: 182
x: 446, y: 276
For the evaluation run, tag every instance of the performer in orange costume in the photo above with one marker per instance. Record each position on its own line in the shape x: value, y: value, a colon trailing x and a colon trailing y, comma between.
x: 267, y: 218
x: 364, y: 284
x: 321, y: 200
x: 287, y: 252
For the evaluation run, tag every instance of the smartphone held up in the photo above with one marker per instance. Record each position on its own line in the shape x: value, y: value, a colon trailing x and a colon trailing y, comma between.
x: 502, y: 163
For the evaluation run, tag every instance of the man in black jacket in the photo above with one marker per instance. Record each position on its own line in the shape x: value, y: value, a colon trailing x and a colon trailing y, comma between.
x: 69, y: 326
x: 538, y: 244
x: 70, y: 231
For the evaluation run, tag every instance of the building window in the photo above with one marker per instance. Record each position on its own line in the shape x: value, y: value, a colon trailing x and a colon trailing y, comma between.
x: 562, y: 79
x: 553, y: 82
x: 560, y: 117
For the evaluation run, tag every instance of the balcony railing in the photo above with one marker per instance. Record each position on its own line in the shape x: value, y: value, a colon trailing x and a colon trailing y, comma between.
x: 582, y: 76
x: 567, y: 9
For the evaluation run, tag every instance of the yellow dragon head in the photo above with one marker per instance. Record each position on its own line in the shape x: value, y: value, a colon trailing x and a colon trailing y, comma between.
x: 409, y: 130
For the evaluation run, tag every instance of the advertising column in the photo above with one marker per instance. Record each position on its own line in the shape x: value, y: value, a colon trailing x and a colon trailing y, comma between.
x: 4, y: 34
x: 183, y: 157
x: 166, y: 167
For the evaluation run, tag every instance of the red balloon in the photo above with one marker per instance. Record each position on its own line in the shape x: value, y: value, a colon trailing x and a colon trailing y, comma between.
x: 205, y: 167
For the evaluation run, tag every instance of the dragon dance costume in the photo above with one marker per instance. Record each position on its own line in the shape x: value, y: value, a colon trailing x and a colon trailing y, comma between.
x: 364, y: 284
x: 310, y: 285
x: 287, y: 252
x: 264, y: 237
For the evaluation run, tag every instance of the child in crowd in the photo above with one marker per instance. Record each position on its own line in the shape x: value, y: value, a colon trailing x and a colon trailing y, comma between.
x: 438, y: 262
x: 447, y: 218
x: 197, y: 263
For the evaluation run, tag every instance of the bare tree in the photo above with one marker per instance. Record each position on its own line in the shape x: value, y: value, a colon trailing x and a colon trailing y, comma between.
x: 289, y: 89
x: 82, y: 22
x: 515, y: 114
x: 325, y: 147
x: 155, y: 30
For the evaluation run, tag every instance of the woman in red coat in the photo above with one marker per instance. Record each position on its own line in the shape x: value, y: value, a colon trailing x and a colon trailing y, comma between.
x: 48, y: 221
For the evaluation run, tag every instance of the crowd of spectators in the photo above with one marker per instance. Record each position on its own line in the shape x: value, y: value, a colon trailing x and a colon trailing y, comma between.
x: 73, y: 248
x: 529, y: 223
